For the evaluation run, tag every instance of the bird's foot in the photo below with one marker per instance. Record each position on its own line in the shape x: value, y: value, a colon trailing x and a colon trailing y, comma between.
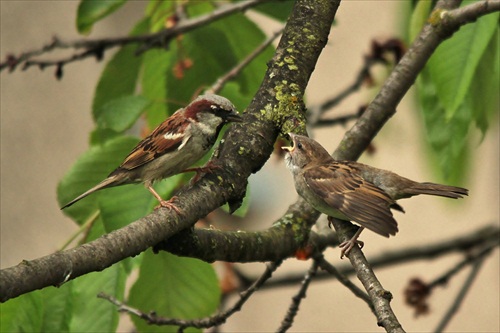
x: 346, y: 247
x: 169, y: 204
x: 209, y: 167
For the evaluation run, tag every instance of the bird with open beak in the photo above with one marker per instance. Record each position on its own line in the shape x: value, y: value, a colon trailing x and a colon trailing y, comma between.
x: 353, y: 191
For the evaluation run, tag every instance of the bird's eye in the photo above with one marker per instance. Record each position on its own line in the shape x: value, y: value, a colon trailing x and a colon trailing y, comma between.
x: 299, y: 145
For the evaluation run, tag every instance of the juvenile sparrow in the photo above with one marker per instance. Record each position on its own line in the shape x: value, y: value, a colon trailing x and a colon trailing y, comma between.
x: 353, y: 191
x: 177, y: 143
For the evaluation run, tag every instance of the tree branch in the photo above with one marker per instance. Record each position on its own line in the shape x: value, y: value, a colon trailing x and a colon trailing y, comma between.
x: 460, y: 244
x: 326, y: 266
x: 198, y: 243
x: 376, y: 56
x: 219, y: 84
x: 244, y: 150
x: 278, y: 242
x: 376, y: 114
x: 418, y: 292
x: 380, y: 298
x: 461, y: 295
x: 277, y: 106
x: 218, y: 319
x: 97, y: 47
x: 294, y: 307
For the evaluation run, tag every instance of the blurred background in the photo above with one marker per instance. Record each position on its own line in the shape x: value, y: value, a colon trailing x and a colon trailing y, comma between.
x: 45, y: 125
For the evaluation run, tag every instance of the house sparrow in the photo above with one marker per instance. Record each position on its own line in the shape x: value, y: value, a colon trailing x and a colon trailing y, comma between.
x: 353, y: 191
x: 178, y: 142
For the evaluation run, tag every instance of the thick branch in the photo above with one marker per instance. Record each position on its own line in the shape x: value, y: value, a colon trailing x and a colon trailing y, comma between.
x: 231, y: 246
x: 278, y: 242
x: 244, y: 151
x: 277, y: 105
x: 429, y: 251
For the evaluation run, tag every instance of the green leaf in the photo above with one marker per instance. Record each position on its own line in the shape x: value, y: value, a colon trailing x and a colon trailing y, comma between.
x: 158, y: 12
x: 278, y: 10
x: 92, y: 167
x: 91, y: 11
x: 172, y: 79
x: 119, y: 77
x: 419, y: 18
x: 211, y: 55
x: 122, y: 205
x: 232, y: 89
x: 459, y: 85
x: 57, y: 309
x: 238, y: 28
x: 156, y: 65
x: 46, y: 310
x: 447, y: 137
x: 121, y: 113
x: 22, y: 314
x: 214, y: 51
x: 92, y: 314
x: 100, y: 136
x: 483, y: 96
x: 454, y: 63
x: 174, y: 287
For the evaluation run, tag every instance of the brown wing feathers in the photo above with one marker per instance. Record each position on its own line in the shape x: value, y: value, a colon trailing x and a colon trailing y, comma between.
x: 359, y: 200
x: 150, y: 147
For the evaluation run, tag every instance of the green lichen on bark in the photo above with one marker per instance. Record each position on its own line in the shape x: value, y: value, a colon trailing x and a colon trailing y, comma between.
x: 290, y: 111
x: 293, y: 62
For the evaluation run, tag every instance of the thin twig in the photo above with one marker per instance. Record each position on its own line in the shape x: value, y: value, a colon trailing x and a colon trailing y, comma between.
x: 379, y: 297
x: 461, y: 295
x: 326, y: 266
x: 218, y: 319
x: 430, y: 251
x: 219, y: 84
x: 84, y: 229
x: 340, y: 120
x: 375, y: 57
x: 301, y: 294
x: 468, y: 260
x: 417, y: 292
x: 97, y: 47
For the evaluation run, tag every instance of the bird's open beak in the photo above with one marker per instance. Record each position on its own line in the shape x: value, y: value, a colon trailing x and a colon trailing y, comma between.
x: 234, y: 117
x: 290, y: 148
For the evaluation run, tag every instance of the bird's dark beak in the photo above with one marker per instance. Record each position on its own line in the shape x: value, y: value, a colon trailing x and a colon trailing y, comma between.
x: 290, y: 148
x: 234, y: 117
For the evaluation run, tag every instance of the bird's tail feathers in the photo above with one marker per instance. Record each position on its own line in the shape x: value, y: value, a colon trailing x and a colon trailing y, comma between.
x: 447, y: 191
x: 108, y: 182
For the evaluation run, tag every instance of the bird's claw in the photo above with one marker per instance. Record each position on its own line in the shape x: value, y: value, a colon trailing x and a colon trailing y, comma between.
x: 346, y: 247
x: 169, y: 204
x: 209, y: 167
